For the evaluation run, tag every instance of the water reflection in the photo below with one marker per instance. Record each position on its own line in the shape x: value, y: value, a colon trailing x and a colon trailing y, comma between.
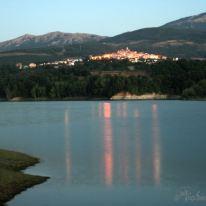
x: 125, y: 158
x: 100, y: 109
x: 118, y: 110
x: 121, y: 110
x: 128, y: 160
x: 107, y: 110
x: 156, y: 155
x: 68, y: 158
x: 138, y: 146
x: 108, y: 145
x: 87, y: 154
x: 124, y: 110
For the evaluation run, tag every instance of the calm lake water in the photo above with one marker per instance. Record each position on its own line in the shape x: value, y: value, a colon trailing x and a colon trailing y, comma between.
x: 110, y: 153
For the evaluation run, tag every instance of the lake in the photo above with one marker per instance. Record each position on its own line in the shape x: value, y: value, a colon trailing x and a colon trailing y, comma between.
x: 110, y: 153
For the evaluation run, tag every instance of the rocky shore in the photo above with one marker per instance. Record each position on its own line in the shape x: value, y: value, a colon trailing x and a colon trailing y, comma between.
x: 152, y: 96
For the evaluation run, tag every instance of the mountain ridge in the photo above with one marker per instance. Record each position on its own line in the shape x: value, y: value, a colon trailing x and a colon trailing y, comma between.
x: 197, y: 22
x: 57, y: 38
x: 174, y: 39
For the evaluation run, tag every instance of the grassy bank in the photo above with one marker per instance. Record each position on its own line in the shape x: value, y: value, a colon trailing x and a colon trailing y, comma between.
x: 12, y: 180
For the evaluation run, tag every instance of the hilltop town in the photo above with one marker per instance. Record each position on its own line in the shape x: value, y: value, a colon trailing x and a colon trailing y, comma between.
x: 132, y: 56
x: 123, y: 54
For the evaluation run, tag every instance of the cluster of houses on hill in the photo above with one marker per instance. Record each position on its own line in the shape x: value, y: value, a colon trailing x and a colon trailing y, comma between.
x: 123, y: 54
x: 29, y: 66
x: 132, y: 56
x: 68, y: 62
x: 56, y: 64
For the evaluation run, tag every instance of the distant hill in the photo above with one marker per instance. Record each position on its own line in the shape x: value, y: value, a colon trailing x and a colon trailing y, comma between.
x: 45, y: 54
x: 197, y: 22
x: 48, y: 40
x: 185, y: 38
x: 163, y: 40
x: 157, y: 34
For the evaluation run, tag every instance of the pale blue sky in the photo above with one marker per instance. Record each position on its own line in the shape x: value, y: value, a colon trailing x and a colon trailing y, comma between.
x: 108, y: 17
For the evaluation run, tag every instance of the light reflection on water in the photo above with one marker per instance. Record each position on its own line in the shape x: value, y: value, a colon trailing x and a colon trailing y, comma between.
x: 121, y: 164
x: 108, y: 145
x: 128, y: 151
x: 68, y: 155
x: 156, y: 156
x: 138, y: 147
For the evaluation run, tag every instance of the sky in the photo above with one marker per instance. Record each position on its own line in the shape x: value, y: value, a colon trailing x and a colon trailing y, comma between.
x: 108, y: 17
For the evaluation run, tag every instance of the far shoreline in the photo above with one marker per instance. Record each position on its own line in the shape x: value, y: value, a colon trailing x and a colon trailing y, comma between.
x: 101, y: 100
x: 82, y: 99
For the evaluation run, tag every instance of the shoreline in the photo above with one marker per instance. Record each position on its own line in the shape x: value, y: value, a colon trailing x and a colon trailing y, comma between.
x: 13, y: 180
x: 113, y: 98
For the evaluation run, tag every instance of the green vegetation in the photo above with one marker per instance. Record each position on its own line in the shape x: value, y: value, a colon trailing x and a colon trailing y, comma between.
x: 12, y: 181
x: 160, y: 34
x: 104, y: 79
x: 184, y: 43
x: 45, y: 54
x: 197, y: 91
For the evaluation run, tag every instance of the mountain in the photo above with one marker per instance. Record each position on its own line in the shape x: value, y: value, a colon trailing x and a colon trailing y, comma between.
x: 158, y: 34
x: 185, y: 43
x: 184, y: 38
x: 48, y: 40
x: 197, y: 22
